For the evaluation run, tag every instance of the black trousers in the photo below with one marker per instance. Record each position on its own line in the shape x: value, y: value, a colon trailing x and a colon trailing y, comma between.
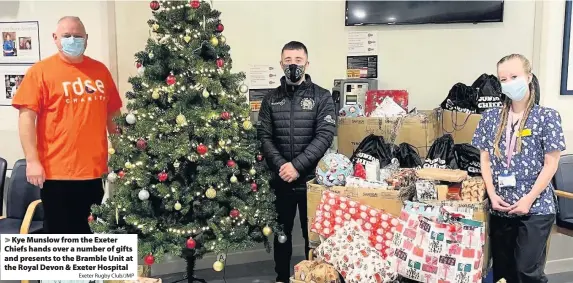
x: 519, y: 247
x: 67, y: 205
x: 286, y: 204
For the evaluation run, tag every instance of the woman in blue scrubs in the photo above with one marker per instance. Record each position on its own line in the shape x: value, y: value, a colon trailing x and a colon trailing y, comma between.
x: 8, y: 46
x: 520, y: 146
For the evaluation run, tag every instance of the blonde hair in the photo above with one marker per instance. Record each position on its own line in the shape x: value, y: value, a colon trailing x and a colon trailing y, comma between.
x: 507, y: 104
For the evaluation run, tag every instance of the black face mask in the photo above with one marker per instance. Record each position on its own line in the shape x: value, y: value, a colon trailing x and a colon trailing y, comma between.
x: 294, y: 72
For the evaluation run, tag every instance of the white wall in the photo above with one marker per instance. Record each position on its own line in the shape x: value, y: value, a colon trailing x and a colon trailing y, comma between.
x: 550, y: 44
x: 426, y: 60
x: 95, y: 15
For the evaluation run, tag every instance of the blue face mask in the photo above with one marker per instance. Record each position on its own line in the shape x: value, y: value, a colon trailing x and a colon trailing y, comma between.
x: 516, y: 89
x: 73, y: 46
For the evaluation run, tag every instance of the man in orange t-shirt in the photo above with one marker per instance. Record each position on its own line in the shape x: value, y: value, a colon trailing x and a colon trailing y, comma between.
x: 67, y: 103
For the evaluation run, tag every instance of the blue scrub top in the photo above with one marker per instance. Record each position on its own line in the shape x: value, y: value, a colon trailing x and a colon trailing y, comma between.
x: 8, y: 46
x: 546, y: 136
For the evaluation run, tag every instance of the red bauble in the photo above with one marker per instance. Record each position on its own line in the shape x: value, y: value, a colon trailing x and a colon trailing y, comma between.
x: 259, y: 157
x: 231, y: 163
x: 154, y: 5
x: 220, y: 62
x: 170, y: 79
x: 234, y: 213
x: 149, y: 259
x: 195, y: 4
x: 220, y: 28
x: 141, y: 144
x: 225, y: 115
x: 91, y: 218
x: 191, y: 244
x: 202, y: 149
x: 121, y: 174
x: 254, y: 187
x: 162, y: 176
x: 138, y: 65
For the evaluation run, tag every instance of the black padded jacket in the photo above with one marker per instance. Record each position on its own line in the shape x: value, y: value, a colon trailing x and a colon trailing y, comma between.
x: 296, y: 124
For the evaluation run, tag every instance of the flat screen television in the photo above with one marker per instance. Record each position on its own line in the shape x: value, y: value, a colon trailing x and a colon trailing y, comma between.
x: 378, y: 12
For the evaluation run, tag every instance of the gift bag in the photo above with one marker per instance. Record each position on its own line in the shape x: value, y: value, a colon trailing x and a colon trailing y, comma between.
x: 488, y: 88
x: 373, y: 148
x: 461, y: 98
x: 440, y: 154
x: 427, y: 250
x: 467, y: 158
x: 407, y: 156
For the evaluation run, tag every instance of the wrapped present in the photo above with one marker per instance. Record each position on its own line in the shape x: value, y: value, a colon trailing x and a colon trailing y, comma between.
x: 402, y: 178
x: 335, y: 211
x: 349, y: 251
x: 351, y: 111
x: 426, y: 190
x: 375, y: 97
x: 361, y: 183
x: 302, y: 269
x: 427, y: 250
x: 473, y: 189
x: 323, y: 273
x: 333, y: 169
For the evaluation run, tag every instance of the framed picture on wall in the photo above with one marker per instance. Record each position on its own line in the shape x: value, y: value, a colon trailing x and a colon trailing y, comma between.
x: 567, y: 57
x: 20, y: 42
x: 10, y: 79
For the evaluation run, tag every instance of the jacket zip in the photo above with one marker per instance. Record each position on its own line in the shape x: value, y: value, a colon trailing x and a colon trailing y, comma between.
x: 292, y: 126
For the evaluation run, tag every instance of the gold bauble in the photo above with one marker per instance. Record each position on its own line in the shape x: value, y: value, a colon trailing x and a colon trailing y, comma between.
x: 221, y: 143
x: 111, y: 151
x: 211, y: 193
x: 177, y: 206
x: 243, y: 88
x: 180, y: 119
x: 252, y: 171
x: 222, y: 39
x: 128, y: 165
x: 205, y: 93
x: 155, y: 27
x: 233, y: 179
x: 247, y: 125
x: 187, y: 38
x: 218, y: 266
x: 214, y: 41
x: 155, y: 94
x: 267, y: 231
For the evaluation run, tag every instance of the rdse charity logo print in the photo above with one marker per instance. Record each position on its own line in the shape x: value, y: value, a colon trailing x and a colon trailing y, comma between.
x: 81, y: 91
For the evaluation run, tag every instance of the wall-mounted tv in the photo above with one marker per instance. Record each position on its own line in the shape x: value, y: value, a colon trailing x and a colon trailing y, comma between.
x: 379, y: 12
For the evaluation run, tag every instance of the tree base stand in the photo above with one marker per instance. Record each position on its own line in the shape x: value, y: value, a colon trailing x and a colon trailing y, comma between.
x: 190, y: 274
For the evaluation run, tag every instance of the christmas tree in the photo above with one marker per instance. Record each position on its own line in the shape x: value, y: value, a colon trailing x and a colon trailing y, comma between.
x: 187, y: 174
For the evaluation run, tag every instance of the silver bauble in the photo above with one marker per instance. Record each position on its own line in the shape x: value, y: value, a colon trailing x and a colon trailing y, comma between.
x: 130, y: 119
x: 282, y: 239
x: 143, y: 194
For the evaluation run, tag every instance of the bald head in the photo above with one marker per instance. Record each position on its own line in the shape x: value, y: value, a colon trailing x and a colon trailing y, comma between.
x: 71, y: 25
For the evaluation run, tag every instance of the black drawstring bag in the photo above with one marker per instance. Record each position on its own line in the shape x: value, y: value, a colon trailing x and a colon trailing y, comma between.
x: 408, y: 156
x: 489, y: 92
x: 373, y: 148
x: 467, y: 158
x: 461, y: 98
x: 441, y: 154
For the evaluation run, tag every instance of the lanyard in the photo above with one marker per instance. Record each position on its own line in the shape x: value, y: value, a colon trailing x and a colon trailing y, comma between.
x: 511, y: 139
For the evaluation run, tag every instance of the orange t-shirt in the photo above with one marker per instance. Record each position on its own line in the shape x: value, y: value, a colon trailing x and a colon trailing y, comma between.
x: 72, y: 102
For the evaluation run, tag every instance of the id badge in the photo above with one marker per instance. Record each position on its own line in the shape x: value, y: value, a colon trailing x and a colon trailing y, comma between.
x: 506, y: 181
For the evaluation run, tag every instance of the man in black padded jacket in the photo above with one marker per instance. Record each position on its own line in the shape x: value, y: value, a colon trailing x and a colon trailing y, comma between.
x: 296, y: 127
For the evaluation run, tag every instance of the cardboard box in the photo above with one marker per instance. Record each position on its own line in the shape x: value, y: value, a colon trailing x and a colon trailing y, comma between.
x: 459, y: 124
x: 417, y: 131
x: 381, y: 199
